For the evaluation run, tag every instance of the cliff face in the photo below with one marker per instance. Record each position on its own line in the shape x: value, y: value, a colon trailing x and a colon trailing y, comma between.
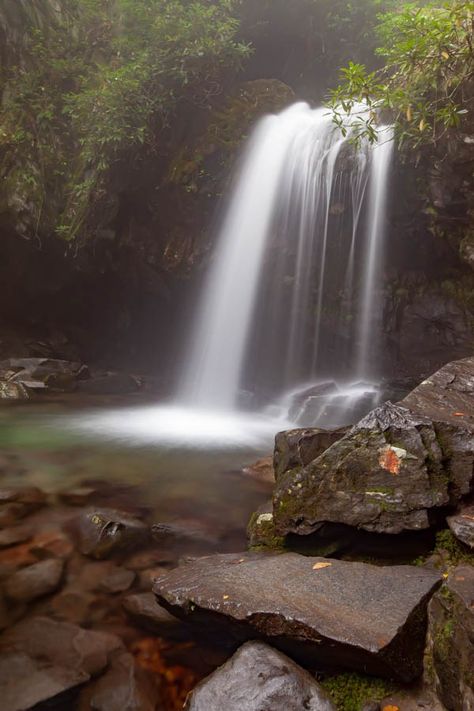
x: 119, y: 296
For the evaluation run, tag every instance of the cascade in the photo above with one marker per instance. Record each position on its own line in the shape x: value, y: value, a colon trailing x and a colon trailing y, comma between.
x: 290, y: 296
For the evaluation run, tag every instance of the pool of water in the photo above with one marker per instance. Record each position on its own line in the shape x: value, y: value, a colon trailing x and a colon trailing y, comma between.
x: 176, y: 465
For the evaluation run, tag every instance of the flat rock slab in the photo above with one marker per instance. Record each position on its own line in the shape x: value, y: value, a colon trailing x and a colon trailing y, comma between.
x: 332, y: 612
x: 258, y: 678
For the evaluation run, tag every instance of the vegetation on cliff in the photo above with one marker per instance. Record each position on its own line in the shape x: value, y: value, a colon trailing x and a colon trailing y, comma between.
x: 425, y: 84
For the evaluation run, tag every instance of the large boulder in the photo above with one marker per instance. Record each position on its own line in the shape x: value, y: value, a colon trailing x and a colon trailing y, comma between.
x: 451, y: 640
x: 385, y: 475
x: 447, y: 398
x: 393, y: 471
x: 321, y: 611
x: 258, y: 678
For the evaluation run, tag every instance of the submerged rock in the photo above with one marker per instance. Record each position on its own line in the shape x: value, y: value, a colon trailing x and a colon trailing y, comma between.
x: 451, y: 640
x: 103, y: 532
x: 462, y: 525
x: 123, y: 687
x: 41, y: 659
x: 145, y: 612
x: 18, y: 502
x: 258, y: 678
x: 331, y: 612
x: 35, y: 581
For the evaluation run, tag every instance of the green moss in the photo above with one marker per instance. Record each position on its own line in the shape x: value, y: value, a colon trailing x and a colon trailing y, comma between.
x: 350, y: 691
x: 457, y: 551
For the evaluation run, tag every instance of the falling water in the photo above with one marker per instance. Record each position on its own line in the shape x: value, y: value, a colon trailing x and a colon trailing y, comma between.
x: 286, y: 249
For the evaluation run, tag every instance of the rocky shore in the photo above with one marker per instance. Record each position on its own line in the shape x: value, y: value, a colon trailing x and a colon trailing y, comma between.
x: 356, y: 592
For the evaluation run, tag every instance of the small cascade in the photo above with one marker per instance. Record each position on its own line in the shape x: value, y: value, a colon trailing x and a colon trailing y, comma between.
x: 291, y: 293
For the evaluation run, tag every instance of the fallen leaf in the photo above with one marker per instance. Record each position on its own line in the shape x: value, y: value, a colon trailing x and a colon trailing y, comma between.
x: 445, y: 576
x: 319, y: 566
x: 445, y: 55
x: 390, y: 708
x: 225, y: 597
x: 459, y: 414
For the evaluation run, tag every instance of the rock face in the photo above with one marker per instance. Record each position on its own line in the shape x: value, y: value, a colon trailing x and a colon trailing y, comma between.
x: 332, y: 612
x: 462, y: 525
x: 258, y: 678
x: 103, y: 532
x: 451, y: 640
x: 393, y: 471
x: 297, y: 448
x: 41, y: 659
x: 447, y: 398
x: 385, y: 475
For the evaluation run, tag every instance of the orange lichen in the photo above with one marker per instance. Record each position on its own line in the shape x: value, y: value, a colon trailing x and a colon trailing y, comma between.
x: 390, y: 461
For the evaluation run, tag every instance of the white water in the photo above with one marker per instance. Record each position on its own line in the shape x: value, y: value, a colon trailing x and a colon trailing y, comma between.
x: 305, y: 224
x: 290, y: 182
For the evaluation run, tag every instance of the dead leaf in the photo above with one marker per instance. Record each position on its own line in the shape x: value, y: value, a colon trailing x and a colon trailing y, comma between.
x: 225, y: 597
x: 459, y: 414
x: 390, y: 708
x: 320, y: 566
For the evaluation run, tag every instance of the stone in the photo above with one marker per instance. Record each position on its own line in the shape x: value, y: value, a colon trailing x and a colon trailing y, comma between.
x: 123, y: 687
x: 12, y: 536
x: 385, y: 475
x: 45, y: 373
x: 451, y: 640
x: 447, y: 398
x: 190, y: 533
x: 261, y: 470
x: 104, y: 532
x: 354, y: 615
x: 34, y: 581
x: 79, y: 496
x: 261, y: 529
x: 462, y: 525
x: 118, y: 580
x: 144, y: 610
x: 18, y: 502
x: 13, y: 391
x: 41, y: 659
x: 297, y: 448
x: 258, y: 678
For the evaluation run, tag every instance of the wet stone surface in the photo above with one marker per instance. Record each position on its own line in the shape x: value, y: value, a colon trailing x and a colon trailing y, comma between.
x: 325, y: 611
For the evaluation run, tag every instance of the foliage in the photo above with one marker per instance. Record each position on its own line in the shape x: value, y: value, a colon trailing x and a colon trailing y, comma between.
x: 425, y: 83
x: 105, y: 80
x: 350, y: 691
x: 457, y: 551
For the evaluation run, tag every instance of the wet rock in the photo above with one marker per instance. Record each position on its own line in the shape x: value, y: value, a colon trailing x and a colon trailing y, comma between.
x: 34, y: 581
x: 74, y: 606
x: 384, y: 476
x: 261, y: 470
x: 13, y: 391
x: 347, y: 614
x: 462, y: 525
x: 110, y: 384
x: 52, y: 543
x: 261, y: 530
x: 18, y: 502
x: 144, y: 610
x: 188, y: 533
x: 45, y: 373
x: 297, y: 448
x: 118, y: 580
x: 41, y: 659
x: 447, y: 398
x: 13, y: 536
x: 124, y: 687
x: 79, y: 496
x: 258, y: 678
x: 104, y: 532
x: 451, y: 640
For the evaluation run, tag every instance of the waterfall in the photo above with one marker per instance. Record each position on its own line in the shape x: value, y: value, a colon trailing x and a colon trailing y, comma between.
x: 301, y: 229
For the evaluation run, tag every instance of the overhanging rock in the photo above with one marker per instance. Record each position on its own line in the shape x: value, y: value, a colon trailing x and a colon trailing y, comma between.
x: 320, y: 611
